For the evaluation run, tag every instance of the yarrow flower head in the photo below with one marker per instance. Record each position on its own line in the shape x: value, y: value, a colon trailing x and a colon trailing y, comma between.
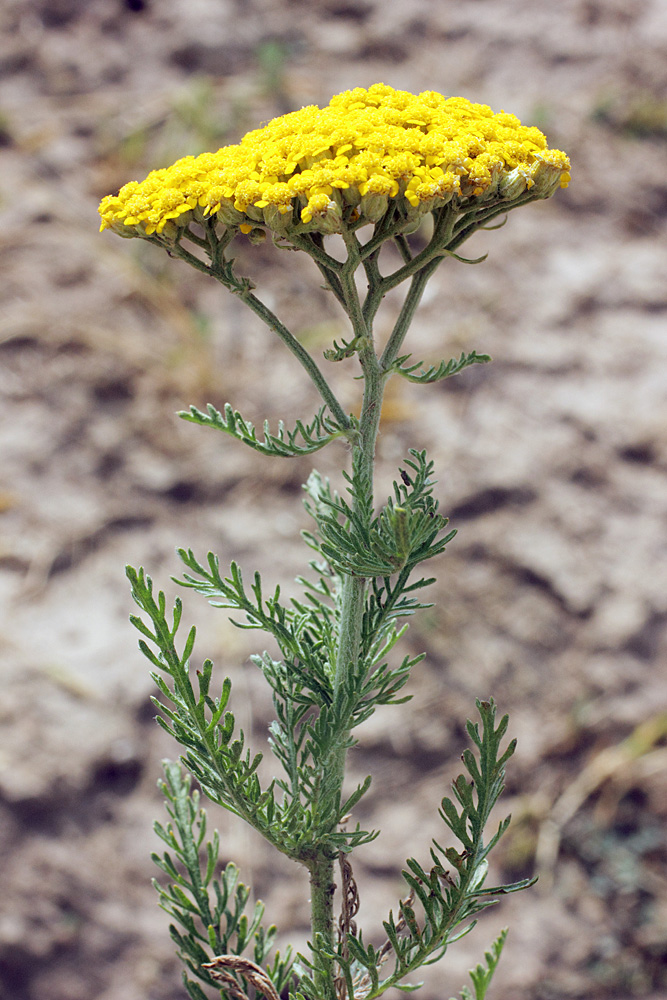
x: 367, y: 153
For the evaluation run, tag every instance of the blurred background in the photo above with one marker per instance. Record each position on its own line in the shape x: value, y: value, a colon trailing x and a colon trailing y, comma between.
x: 551, y: 461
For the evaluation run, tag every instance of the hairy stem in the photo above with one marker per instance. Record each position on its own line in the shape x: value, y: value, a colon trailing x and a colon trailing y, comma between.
x: 442, y: 233
x: 354, y: 588
x: 242, y: 288
x: 322, y: 890
x: 412, y: 300
x: 300, y: 353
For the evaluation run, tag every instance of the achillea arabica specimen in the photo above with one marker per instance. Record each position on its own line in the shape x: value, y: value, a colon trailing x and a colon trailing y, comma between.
x: 376, y: 158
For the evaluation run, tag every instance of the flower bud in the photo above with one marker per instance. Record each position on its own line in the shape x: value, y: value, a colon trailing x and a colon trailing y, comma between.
x: 373, y: 206
x: 228, y: 215
x: 329, y: 222
x: 257, y: 236
x: 550, y: 174
x: 514, y: 183
x: 279, y: 222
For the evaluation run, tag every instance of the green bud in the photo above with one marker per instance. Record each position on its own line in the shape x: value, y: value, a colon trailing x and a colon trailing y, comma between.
x: 279, y: 222
x: 373, y: 206
x: 513, y: 184
x: 257, y: 236
x: 229, y: 215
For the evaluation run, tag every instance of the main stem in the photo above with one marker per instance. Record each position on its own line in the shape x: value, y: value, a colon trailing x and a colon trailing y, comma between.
x: 352, y: 603
x: 363, y: 459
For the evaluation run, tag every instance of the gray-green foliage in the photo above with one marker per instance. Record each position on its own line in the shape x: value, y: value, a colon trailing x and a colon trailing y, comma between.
x: 208, y: 907
x: 336, y: 664
x: 301, y: 811
x: 441, y: 901
x: 285, y: 444
x: 482, y: 975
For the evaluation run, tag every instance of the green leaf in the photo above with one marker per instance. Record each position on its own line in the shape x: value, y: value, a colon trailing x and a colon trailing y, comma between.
x: 482, y: 975
x: 303, y: 440
x: 435, y: 373
x: 357, y: 542
x: 448, y: 901
x: 210, y: 910
x: 220, y: 763
x: 342, y: 351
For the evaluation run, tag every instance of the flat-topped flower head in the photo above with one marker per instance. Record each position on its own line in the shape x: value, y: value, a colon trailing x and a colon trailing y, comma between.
x: 366, y: 153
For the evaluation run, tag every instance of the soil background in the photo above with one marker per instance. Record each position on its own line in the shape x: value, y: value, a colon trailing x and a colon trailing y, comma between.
x: 552, y: 464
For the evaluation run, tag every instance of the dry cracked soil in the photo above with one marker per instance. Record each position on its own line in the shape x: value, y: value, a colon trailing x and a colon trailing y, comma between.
x: 552, y: 464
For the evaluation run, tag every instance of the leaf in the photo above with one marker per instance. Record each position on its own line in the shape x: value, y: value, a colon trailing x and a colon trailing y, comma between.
x: 448, y: 901
x: 210, y: 911
x: 435, y: 373
x: 481, y: 975
x: 303, y: 440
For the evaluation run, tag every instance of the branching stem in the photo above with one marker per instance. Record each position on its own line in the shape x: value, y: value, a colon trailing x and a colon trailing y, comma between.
x: 406, y: 315
x: 223, y: 273
x: 450, y: 230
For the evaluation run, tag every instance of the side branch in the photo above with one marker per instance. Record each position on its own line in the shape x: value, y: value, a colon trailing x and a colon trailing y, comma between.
x: 300, y: 352
x: 381, y: 235
x: 476, y: 219
x: 222, y: 271
x: 444, y: 227
x: 406, y: 315
x: 362, y: 329
x: 327, y: 265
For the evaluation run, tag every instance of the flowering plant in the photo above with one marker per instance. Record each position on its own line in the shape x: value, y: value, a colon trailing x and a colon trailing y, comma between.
x: 385, y: 159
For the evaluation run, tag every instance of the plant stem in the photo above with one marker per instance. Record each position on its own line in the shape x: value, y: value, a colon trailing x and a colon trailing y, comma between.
x: 243, y: 290
x: 353, y: 596
x: 412, y: 300
x: 322, y: 890
x: 363, y: 458
x: 442, y: 234
x: 300, y: 353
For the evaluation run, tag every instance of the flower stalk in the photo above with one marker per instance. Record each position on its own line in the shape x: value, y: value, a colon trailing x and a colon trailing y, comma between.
x: 387, y: 160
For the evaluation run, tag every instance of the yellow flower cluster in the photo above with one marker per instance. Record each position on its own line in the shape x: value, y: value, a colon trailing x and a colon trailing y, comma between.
x: 311, y: 169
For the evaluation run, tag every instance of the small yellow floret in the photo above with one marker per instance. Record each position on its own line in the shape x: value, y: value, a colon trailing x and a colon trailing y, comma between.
x: 367, y: 148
